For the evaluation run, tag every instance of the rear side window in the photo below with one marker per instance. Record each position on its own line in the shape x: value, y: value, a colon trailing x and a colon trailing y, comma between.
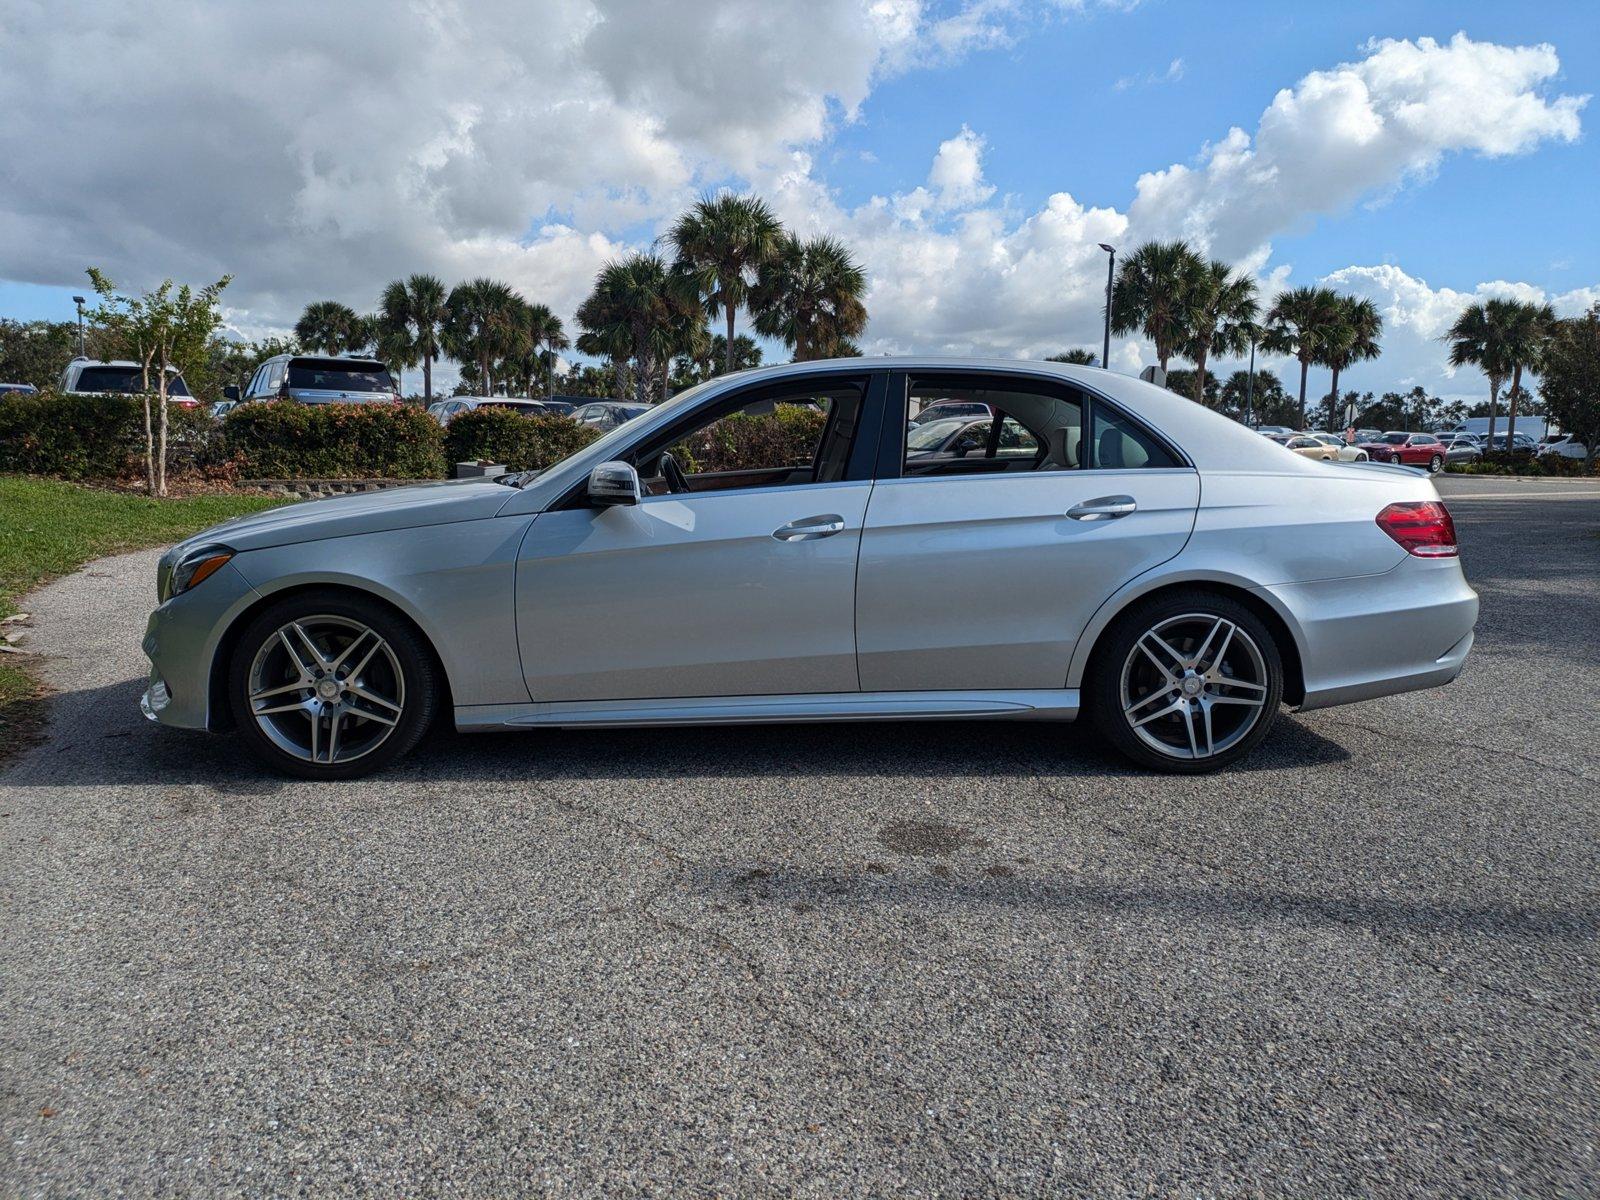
x: 1118, y: 444
x: 335, y: 375
x: 989, y: 429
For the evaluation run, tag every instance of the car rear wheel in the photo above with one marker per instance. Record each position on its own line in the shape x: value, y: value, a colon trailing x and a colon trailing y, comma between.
x: 1186, y: 683
x: 1435, y: 464
x: 325, y: 685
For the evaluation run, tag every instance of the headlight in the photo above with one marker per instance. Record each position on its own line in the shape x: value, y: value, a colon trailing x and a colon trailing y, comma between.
x: 194, y: 568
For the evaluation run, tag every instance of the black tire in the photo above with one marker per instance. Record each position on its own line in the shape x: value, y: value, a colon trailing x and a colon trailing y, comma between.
x: 1435, y: 465
x: 1103, y: 686
x: 412, y: 670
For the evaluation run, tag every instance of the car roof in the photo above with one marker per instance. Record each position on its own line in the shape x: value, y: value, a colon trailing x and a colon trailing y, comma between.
x: 110, y: 362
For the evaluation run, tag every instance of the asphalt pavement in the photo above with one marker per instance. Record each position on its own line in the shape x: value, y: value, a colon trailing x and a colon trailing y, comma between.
x: 950, y: 959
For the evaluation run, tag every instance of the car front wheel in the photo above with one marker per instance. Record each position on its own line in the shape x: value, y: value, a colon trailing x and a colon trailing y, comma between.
x: 326, y: 685
x: 1186, y: 683
x: 1435, y: 464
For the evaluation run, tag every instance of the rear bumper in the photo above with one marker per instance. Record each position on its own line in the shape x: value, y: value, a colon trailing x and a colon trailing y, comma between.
x: 1407, y: 629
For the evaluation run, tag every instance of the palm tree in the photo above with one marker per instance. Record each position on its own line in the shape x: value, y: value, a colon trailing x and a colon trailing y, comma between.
x: 1480, y: 337
x: 483, y: 326
x: 1151, y: 295
x: 724, y: 241
x: 1353, y: 339
x: 1300, y: 323
x: 809, y: 296
x: 548, y: 337
x: 1221, y: 318
x: 1081, y: 357
x: 1526, y: 341
x: 412, y: 312
x: 639, y: 309
x: 328, y: 327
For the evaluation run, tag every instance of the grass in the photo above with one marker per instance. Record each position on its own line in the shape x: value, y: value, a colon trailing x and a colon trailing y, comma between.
x: 49, y: 528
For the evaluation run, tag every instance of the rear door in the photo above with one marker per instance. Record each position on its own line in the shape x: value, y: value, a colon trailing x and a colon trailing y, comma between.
x: 980, y: 573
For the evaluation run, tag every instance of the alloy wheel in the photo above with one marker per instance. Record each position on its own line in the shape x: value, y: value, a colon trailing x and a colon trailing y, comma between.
x: 326, y: 689
x: 1193, y: 686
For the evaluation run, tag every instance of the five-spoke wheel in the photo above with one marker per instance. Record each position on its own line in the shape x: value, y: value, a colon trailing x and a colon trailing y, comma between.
x: 331, y: 689
x: 1188, y: 682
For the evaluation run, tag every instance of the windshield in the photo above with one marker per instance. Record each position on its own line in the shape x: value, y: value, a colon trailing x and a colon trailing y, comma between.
x: 124, y: 379
x: 933, y: 434
x: 335, y: 375
x: 1395, y: 439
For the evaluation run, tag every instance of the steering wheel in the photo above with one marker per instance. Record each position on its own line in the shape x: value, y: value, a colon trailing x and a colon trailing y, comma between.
x: 673, y: 474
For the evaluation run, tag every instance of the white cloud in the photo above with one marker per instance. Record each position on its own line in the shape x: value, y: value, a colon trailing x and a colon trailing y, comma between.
x: 1172, y: 74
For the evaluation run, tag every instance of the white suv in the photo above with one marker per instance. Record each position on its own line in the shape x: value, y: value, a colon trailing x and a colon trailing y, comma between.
x: 86, y: 377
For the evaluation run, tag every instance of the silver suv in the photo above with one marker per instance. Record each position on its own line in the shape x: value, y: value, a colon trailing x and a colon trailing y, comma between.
x: 87, y: 377
x: 313, y: 379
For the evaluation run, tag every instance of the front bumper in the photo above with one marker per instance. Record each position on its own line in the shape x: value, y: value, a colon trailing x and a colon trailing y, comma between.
x: 1406, y: 629
x: 181, y: 640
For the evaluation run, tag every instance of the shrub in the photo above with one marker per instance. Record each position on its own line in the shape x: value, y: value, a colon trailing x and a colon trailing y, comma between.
x: 72, y: 437
x: 1520, y: 462
x: 284, y: 440
x: 518, y: 441
x: 787, y: 437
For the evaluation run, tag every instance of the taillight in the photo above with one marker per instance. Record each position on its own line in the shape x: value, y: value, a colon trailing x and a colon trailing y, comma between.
x: 1422, y: 527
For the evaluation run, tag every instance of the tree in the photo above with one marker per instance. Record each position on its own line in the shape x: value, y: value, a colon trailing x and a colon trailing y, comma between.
x: 639, y: 310
x: 1300, y: 323
x: 547, y: 336
x: 1479, y: 337
x: 1151, y: 295
x: 1077, y: 355
x: 1220, y: 317
x: 1206, y: 389
x: 483, y: 325
x: 328, y: 327
x: 1242, y: 401
x: 166, y: 330
x: 723, y: 242
x: 412, y: 312
x: 689, y: 369
x: 35, y: 351
x: 810, y: 297
x: 1352, y: 338
x: 1569, y: 379
x: 1527, y: 334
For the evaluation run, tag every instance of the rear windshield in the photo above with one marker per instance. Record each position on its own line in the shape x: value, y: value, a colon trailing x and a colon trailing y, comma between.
x: 334, y: 375
x: 123, y: 379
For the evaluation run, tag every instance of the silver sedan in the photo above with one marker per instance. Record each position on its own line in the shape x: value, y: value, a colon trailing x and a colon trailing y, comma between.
x: 766, y: 548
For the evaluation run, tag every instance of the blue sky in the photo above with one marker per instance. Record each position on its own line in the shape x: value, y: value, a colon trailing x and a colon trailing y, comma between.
x: 973, y: 151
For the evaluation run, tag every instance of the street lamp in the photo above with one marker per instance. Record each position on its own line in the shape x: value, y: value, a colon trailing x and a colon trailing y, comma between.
x: 1250, y: 383
x: 78, y: 300
x: 1111, y: 266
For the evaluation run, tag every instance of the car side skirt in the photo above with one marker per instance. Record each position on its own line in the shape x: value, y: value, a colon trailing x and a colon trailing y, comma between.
x: 1054, y: 704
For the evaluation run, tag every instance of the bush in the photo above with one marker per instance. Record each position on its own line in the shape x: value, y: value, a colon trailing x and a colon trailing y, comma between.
x: 71, y: 437
x: 787, y: 437
x: 517, y: 441
x: 1520, y: 462
x: 284, y: 440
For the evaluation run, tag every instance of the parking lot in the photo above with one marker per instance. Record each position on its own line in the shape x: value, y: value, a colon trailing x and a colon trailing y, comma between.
x: 943, y: 959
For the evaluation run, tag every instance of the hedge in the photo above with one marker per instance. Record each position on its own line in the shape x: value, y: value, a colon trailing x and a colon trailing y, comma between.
x: 284, y: 440
x: 787, y: 437
x: 72, y: 437
x: 1519, y: 462
x: 517, y: 441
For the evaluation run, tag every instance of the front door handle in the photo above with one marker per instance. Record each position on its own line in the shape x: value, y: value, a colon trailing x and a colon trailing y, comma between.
x: 1102, y: 508
x: 809, y: 529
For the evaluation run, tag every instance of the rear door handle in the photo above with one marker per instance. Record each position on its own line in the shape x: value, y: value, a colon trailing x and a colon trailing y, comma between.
x: 809, y: 529
x: 1102, y: 508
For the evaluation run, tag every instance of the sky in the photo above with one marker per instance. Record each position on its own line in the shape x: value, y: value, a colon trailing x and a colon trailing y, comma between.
x: 973, y: 153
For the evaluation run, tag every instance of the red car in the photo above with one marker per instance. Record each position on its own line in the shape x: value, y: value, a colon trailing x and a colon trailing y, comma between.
x: 1409, y: 449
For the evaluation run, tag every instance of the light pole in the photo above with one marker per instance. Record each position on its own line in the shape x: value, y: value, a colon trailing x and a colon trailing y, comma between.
x: 82, y: 353
x: 1111, y: 266
x: 1250, y: 383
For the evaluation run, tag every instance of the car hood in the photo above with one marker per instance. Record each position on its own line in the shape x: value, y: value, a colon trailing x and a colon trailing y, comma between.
x: 364, y: 512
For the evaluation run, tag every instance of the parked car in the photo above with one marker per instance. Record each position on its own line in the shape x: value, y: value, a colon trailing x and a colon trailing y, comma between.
x: 608, y: 414
x: 1563, y: 445
x: 26, y: 389
x: 320, y: 379
x: 444, y: 411
x: 88, y: 377
x: 1519, y: 441
x: 1151, y: 567
x: 1407, y: 449
x: 1460, y: 447
x: 1274, y: 430
x: 1326, y: 447
x: 222, y: 408
x: 943, y: 410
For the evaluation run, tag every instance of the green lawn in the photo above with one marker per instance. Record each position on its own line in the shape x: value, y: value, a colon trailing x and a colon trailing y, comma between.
x: 49, y: 528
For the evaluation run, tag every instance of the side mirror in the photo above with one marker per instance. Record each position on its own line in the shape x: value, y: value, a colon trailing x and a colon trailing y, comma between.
x: 231, y: 392
x: 613, y: 483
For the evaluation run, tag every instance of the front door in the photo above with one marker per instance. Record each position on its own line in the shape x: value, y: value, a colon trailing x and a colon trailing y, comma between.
x: 735, y: 575
x: 984, y: 560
